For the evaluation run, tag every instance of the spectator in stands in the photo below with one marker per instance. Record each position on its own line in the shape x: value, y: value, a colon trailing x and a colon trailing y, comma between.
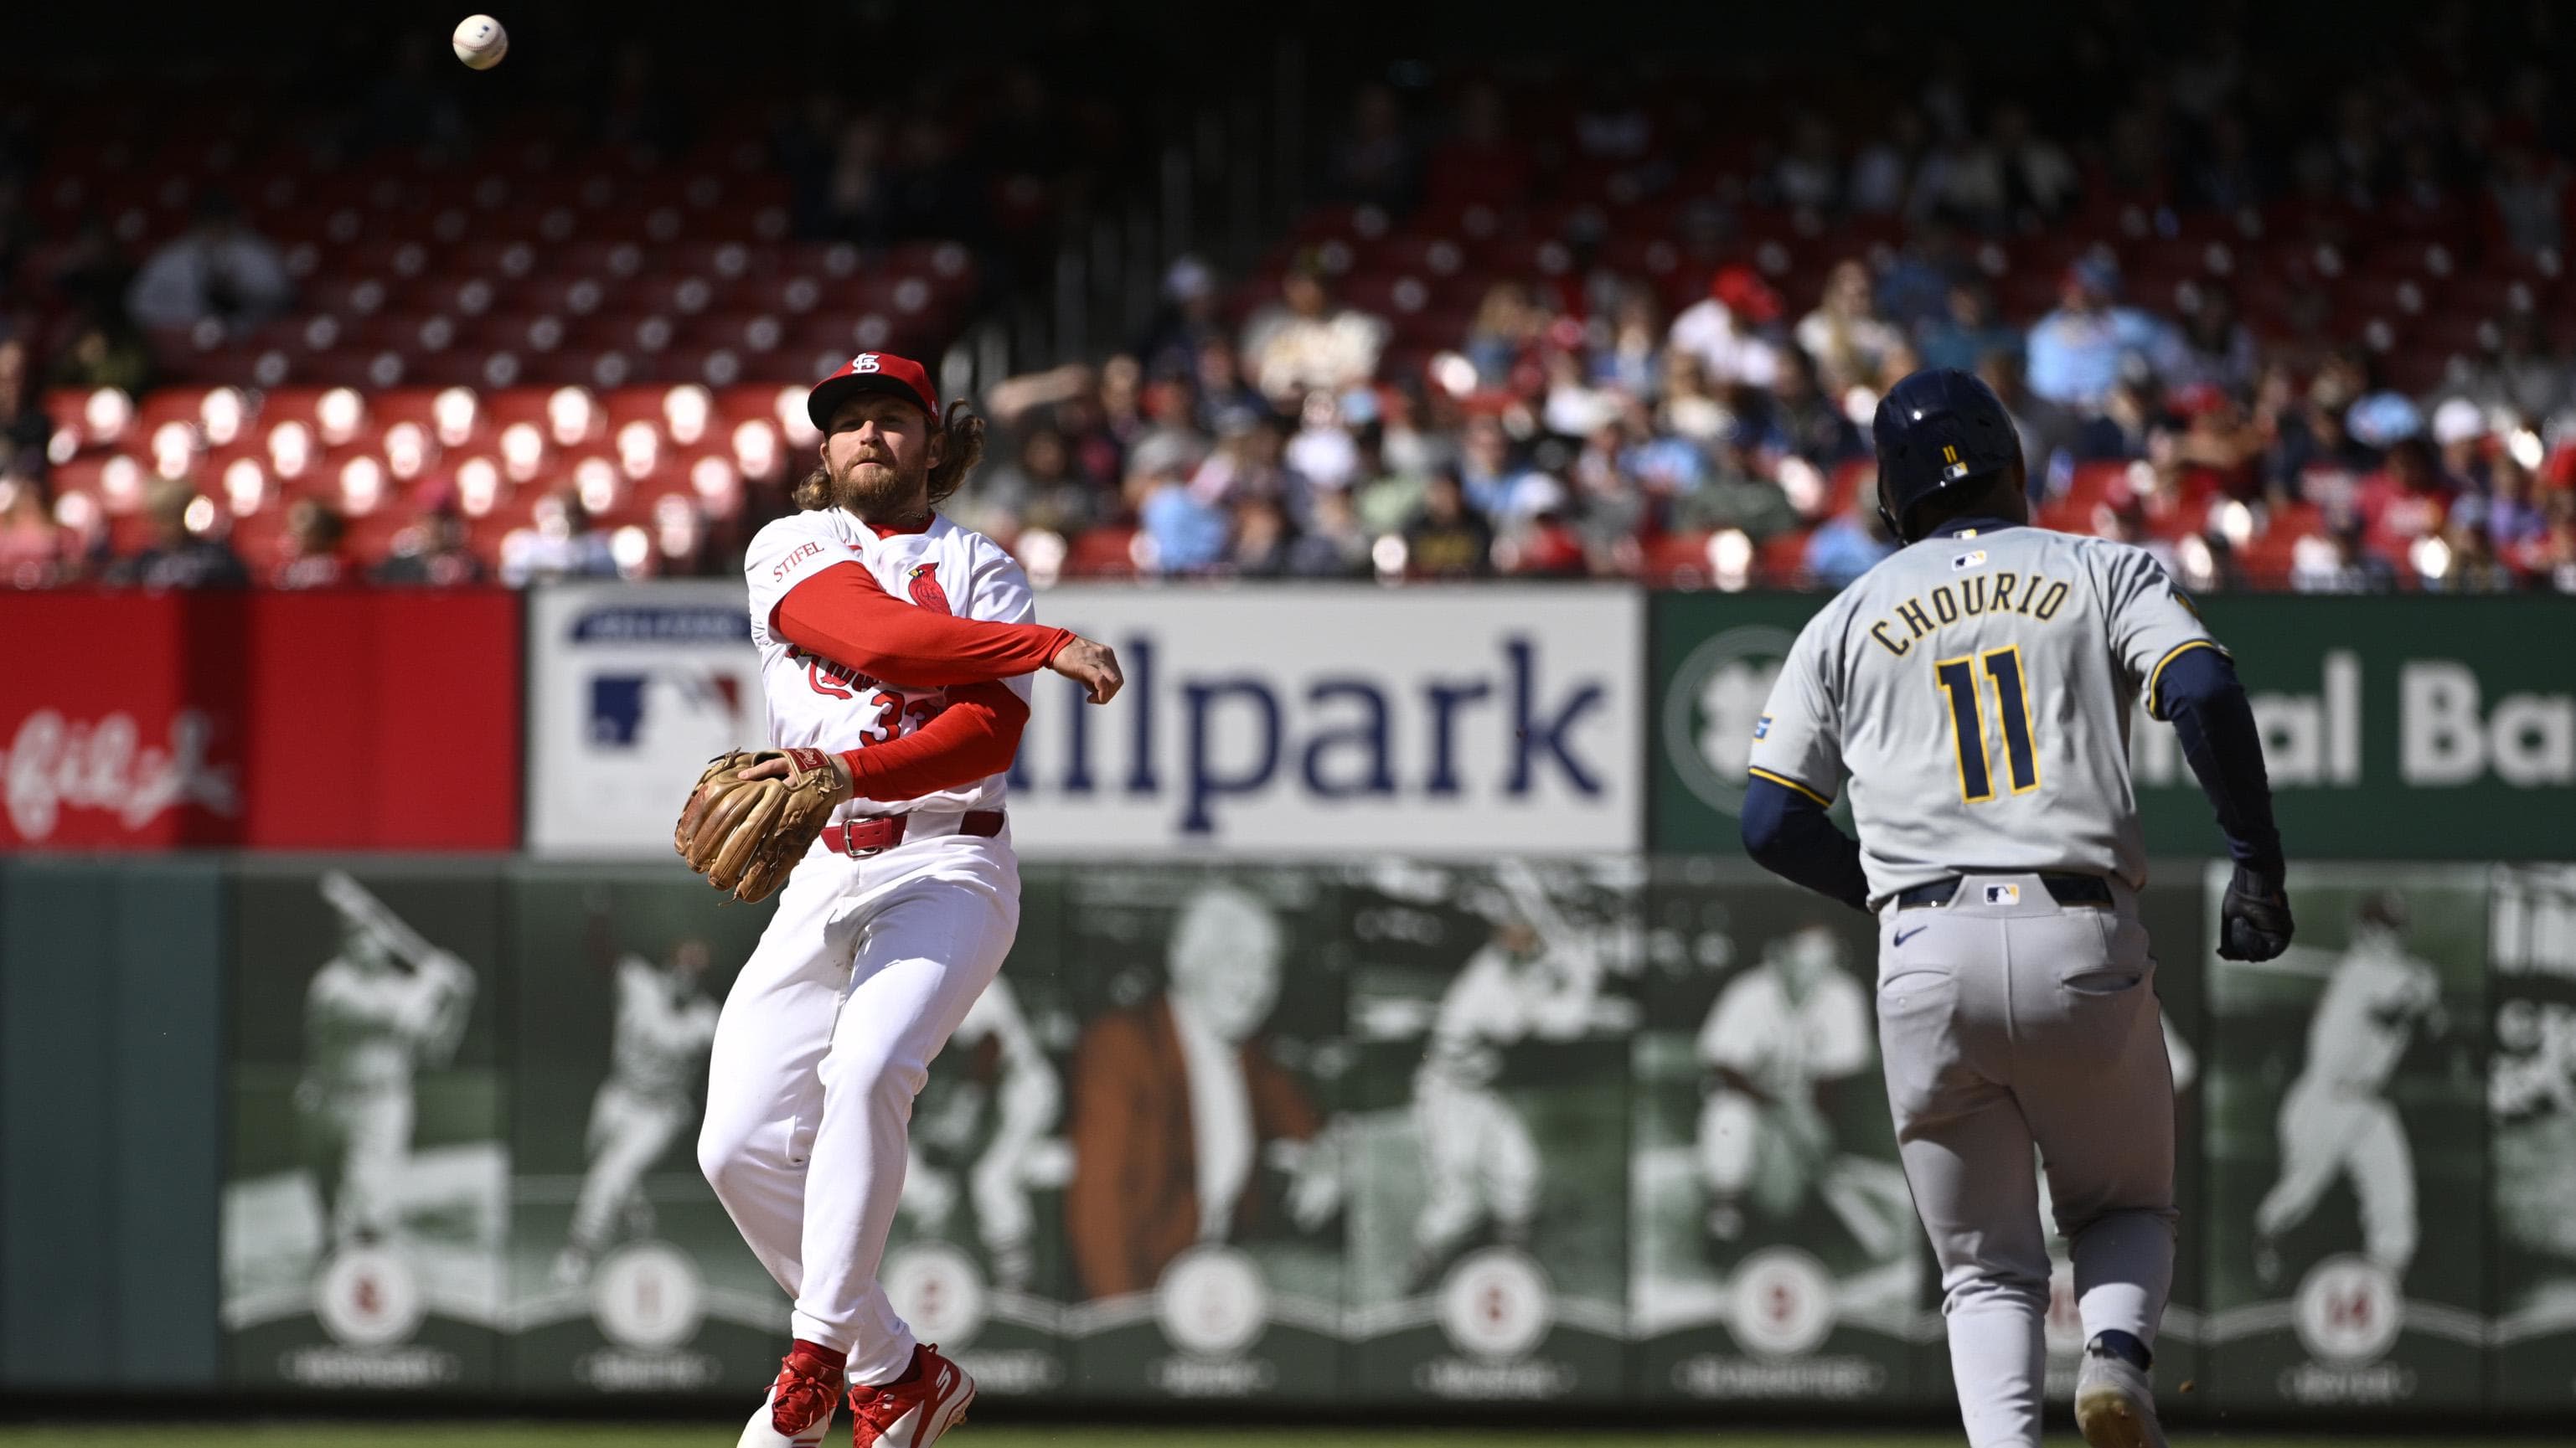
x: 104, y: 351
x: 2076, y: 352
x: 1966, y: 330
x: 1735, y: 497
x: 2405, y: 500
x: 2528, y: 190
x: 312, y: 556
x: 1375, y: 162
x: 35, y: 551
x: 177, y: 556
x: 2339, y: 563
x: 1849, y: 544
x: 1809, y: 175
x: 2505, y: 508
x: 1539, y: 539
x: 2131, y: 410
x: 1504, y: 331
x: 1687, y: 409
x: 1187, y: 322
x: 1883, y: 175
x: 2553, y: 558
x: 1035, y: 490
x: 1845, y: 335
x: 2050, y: 434
x: 2216, y: 349
x: 220, y: 271
x: 1257, y: 544
x: 1389, y: 497
x: 1304, y: 341
x: 1480, y: 161
x: 2460, y: 431
x: 561, y: 542
x: 1333, y: 544
x: 1803, y: 420
x: 432, y: 553
x: 1184, y: 532
x: 1631, y: 360
x: 2470, y: 564
x: 2316, y: 458
x: 24, y: 428
x: 2522, y: 374
x: 1451, y: 540
x: 1222, y: 392
x: 1724, y: 332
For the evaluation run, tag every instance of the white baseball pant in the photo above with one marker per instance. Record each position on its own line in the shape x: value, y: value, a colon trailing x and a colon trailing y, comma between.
x: 825, y: 1039
x: 628, y: 1133
x: 2328, y: 1130
x: 2008, y: 1024
x: 1478, y: 1158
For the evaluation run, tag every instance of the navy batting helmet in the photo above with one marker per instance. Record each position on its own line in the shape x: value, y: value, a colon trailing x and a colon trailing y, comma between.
x: 1938, y: 429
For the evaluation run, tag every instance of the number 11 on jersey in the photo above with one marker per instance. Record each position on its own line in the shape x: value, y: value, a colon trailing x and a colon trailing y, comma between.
x: 1958, y: 678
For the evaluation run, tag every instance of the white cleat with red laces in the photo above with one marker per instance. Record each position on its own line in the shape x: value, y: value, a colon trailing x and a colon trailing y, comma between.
x: 798, y: 1411
x: 931, y: 1399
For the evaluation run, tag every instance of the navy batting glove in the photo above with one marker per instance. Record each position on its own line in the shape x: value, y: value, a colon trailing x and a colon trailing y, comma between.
x: 2254, y: 920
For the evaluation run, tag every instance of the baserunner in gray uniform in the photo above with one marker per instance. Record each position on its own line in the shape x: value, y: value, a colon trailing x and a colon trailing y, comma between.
x: 1974, y: 692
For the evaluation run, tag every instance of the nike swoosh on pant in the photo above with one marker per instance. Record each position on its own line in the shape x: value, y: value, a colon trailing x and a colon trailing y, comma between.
x: 1903, y: 936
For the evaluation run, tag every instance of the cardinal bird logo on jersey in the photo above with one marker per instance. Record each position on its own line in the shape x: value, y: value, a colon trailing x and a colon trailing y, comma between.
x: 922, y: 581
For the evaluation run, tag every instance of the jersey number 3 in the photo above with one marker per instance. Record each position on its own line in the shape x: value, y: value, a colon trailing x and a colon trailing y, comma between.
x: 1958, y: 679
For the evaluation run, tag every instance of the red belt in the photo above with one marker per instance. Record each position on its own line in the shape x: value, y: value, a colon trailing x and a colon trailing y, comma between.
x: 866, y: 837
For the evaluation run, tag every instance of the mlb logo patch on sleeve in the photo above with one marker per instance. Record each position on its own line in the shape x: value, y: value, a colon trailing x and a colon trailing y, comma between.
x: 1762, y: 727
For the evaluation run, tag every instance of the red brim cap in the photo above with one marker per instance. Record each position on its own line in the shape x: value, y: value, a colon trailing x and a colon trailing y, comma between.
x: 871, y: 372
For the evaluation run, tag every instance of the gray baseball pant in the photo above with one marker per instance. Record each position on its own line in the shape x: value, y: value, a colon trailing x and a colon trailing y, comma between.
x: 2005, y: 1020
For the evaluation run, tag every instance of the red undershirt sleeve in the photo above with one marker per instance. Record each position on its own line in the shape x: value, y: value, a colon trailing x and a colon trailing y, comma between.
x: 842, y: 614
x: 976, y: 735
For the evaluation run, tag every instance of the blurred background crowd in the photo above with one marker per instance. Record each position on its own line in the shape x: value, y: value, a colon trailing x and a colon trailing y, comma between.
x: 2280, y: 301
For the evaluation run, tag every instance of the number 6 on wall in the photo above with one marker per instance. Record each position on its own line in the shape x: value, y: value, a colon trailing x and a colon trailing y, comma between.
x: 1958, y: 678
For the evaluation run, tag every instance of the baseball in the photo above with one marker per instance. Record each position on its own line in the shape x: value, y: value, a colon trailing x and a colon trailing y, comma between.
x: 480, y: 41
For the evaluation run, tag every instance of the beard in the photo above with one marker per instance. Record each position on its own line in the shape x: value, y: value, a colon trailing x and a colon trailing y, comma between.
x: 880, y: 493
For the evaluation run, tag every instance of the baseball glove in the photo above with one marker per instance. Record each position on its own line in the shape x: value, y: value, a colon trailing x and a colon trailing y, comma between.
x: 746, y: 835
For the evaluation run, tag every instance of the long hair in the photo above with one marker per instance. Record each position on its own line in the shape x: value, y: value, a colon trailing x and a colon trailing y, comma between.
x: 965, y: 434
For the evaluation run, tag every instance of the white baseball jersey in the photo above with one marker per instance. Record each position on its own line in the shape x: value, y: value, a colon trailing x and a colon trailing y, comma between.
x: 817, y: 703
x: 1785, y: 1046
x: 1975, y: 690
x: 660, y: 1038
x: 2362, y: 1021
x: 364, y: 1028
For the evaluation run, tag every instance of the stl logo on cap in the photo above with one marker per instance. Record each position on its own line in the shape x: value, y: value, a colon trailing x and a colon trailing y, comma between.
x: 864, y: 362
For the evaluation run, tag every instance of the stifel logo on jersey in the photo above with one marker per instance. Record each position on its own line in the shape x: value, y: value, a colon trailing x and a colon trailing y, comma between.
x: 788, y: 563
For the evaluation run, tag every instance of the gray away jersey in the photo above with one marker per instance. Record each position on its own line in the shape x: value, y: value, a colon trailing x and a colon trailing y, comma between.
x: 1975, y: 691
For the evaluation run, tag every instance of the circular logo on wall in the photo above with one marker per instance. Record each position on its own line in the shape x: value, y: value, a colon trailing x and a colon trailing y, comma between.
x: 1494, y: 1304
x: 368, y: 1297
x: 936, y: 1288
x: 2347, y: 1311
x: 1784, y: 1302
x: 1711, y: 705
x: 1212, y: 1301
x: 648, y: 1296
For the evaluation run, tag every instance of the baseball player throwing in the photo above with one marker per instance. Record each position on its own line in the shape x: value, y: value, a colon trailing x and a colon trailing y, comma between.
x: 1974, y: 690
x: 894, y: 647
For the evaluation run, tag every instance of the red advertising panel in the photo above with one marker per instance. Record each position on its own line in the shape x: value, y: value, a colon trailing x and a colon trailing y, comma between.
x: 328, y: 720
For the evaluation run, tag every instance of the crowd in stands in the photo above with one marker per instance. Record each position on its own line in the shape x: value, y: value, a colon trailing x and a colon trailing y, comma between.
x: 2305, y: 331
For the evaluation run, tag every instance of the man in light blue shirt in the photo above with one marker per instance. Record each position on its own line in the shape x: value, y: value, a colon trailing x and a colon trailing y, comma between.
x: 2076, y: 351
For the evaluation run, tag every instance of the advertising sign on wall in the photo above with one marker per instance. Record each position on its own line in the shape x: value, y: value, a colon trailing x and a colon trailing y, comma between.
x: 631, y: 689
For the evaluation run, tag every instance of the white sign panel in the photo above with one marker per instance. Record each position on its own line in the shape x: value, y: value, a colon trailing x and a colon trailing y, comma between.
x: 1261, y: 721
x: 631, y: 689
x: 1288, y: 721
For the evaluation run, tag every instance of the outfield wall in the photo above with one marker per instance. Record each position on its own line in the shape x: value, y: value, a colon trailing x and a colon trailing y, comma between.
x: 1566, y: 1204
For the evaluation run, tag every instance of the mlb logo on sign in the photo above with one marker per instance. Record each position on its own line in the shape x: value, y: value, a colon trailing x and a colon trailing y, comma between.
x: 619, y: 703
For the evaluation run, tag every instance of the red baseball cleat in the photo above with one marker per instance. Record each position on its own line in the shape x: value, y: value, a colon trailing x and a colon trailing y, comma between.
x: 930, y: 1400
x: 798, y: 1411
